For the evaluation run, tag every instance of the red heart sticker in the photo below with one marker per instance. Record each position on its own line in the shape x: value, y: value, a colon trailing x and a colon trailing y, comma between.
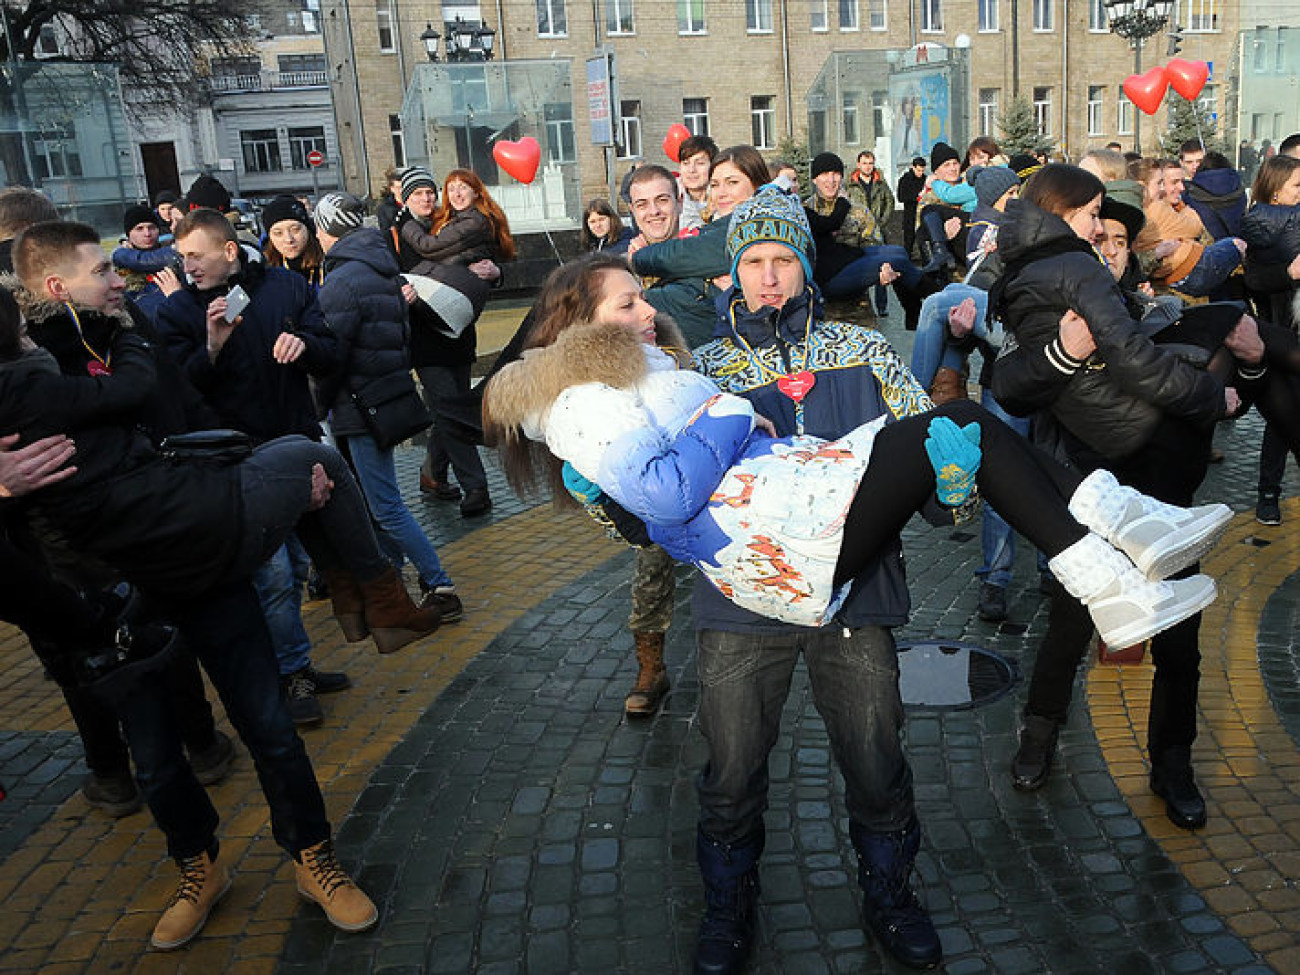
x: 796, y: 384
x: 97, y: 368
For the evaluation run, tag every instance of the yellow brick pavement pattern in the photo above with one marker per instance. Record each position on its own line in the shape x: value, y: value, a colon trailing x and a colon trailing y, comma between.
x: 1246, y: 861
x: 84, y: 892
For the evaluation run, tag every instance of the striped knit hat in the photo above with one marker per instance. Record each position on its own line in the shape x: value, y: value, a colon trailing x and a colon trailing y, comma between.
x: 771, y: 216
x: 338, y: 214
x: 414, y: 178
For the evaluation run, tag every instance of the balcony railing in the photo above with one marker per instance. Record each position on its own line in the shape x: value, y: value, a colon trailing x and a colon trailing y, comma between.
x: 267, y: 81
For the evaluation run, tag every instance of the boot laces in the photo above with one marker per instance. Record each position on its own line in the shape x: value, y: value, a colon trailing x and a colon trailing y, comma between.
x: 325, y: 868
x: 193, y: 874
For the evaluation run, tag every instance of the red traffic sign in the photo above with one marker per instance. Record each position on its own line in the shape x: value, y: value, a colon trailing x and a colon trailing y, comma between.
x: 315, y: 158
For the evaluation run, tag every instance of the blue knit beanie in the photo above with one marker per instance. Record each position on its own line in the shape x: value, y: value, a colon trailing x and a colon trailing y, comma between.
x: 771, y: 216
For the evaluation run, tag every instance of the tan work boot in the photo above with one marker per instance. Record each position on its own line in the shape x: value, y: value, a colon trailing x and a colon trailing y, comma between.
x: 652, y: 679
x: 393, y: 619
x: 203, y: 883
x: 322, y: 880
x: 948, y: 385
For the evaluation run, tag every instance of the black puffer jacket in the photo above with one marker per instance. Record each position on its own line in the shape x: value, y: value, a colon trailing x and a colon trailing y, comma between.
x: 1113, y: 401
x: 1272, y: 236
x: 363, y: 305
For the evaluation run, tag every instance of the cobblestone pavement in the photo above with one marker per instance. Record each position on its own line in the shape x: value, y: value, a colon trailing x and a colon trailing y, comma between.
x: 494, y: 800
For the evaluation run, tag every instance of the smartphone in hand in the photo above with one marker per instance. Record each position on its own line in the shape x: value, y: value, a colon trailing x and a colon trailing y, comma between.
x: 236, y: 301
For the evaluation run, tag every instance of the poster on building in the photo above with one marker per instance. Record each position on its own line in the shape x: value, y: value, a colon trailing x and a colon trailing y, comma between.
x: 600, y: 101
x: 922, y: 112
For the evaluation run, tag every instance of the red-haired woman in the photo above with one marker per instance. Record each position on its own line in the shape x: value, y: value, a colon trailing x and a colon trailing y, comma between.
x: 467, y: 230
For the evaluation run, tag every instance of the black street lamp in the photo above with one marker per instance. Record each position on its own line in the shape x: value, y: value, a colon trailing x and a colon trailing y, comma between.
x: 1135, y: 21
x: 469, y: 41
x: 430, y: 39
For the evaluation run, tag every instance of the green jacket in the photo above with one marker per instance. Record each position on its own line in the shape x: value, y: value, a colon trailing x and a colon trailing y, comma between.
x: 876, y: 197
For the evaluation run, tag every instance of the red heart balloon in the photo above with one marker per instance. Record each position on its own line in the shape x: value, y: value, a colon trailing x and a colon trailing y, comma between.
x: 1147, y: 91
x: 1187, y: 77
x: 519, y: 159
x: 677, y: 134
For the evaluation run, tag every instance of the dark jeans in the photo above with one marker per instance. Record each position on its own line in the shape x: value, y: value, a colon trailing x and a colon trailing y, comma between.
x: 225, y: 630
x: 440, y: 384
x: 1170, y: 467
x: 744, y: 682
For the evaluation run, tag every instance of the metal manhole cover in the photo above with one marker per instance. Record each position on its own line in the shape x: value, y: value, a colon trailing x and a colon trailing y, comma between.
x: 941, y: 674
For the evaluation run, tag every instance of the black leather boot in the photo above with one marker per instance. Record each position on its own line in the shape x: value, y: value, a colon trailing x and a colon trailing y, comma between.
x: 1172, y: 780
x: 730, y: 873
x: 890, y: 907
x: 1033, y: 762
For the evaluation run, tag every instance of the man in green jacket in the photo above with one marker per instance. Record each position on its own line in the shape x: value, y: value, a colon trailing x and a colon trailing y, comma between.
x: 866, y: 187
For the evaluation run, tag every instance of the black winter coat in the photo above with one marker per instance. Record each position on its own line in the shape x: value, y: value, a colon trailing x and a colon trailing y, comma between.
x: 247, y: 388
x: 1219, y: 198
x: 1272, y: 236
x: 363, y: 305
x: 1114, y: 400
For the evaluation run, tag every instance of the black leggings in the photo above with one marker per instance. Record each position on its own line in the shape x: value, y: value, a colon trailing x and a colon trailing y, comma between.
x: 1028, y: 488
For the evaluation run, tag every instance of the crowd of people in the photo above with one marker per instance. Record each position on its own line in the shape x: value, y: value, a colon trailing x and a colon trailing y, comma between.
x: 682, y: 382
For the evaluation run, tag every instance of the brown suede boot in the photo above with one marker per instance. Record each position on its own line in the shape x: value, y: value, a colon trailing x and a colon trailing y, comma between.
x: 948, y: 385
x: 652, y: 679
x: 393, y: 619
x: 203, y: 882
x: 349, y: 606
x: 323, y: 881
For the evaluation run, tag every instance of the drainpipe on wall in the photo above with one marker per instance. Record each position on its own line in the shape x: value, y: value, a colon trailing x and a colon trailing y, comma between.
x: 785, y: 69
x: 1015, y: 48
x: 1065, y: 67
x: 501, y: 32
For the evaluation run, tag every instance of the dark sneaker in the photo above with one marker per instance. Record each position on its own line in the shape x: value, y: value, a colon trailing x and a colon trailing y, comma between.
x: 137, y: 649
x: 1268, y: 511
x: 476, y: 503
x: 301, y: 700
x: 325, y: 681
x: 212, y: 764
x: 116, y: 795
x: 993, y: 602
x: 446, y: 601
x: 441, y: 490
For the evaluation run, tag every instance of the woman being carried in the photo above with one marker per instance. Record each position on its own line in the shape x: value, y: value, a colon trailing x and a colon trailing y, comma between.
x: 778, y: 525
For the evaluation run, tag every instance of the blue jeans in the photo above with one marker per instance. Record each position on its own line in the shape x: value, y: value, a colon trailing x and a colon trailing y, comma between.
x: 280, y: 593
x: 862, y: 274
x: 224, y: 628
x: 997, y: 538
x: 744, y: 682
x: 1212, y: 270
x: 378, y: 477
x: 931, y: 347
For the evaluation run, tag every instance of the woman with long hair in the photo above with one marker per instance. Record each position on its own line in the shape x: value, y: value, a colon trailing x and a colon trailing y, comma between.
x: 603, y: 230
x: 735, y: 175
x: 466, y: 228
x: 291, y: 239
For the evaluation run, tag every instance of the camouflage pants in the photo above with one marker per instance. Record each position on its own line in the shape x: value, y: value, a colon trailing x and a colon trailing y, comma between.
x: 653, y: 586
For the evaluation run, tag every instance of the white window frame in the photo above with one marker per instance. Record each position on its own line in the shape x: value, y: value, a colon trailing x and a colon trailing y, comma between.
x: 397, y: 136
x: 622, y: 15
x: 1197, y: 16
x: 1044, y: 16
x: 819, y: 16
x: 931, y: 16
x: 548, y: 10
x: 758, y: 16
x: 686, y: 24
x: 560, y: 135
x: 386, y: 23
x: 1123, y: 114
x: 1098, y: 18
x: 851, y: 121
x: 989, y: 15
x: 762, y: 121
x: 1208, y: 102
x: 1043, y: 110
x: 1096, y: 106
x: 850, y: 21
x: 697, y: 122
x: 877, y: 15
x: 990, y: 100
x: 629, y: 126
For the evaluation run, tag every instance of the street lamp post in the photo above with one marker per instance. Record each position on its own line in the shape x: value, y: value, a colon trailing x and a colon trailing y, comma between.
x: 1135, y: 21
x: 430, y: 39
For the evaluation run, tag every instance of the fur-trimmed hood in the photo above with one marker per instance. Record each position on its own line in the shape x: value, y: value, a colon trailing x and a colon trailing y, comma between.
x: 38, y: 308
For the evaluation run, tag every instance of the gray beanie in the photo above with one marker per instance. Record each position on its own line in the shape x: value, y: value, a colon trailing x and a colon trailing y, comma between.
x: 414, y: 178
x: 991, y: 182
x: 338, y: 214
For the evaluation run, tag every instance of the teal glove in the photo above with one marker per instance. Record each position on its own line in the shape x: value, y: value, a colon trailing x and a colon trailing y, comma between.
x: 955, y: 456
x: 586, y: 492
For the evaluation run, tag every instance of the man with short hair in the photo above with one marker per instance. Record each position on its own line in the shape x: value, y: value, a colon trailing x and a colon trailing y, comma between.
x: 1190, y: 155
x: 1176, y: 182
x: 20, y: 207
x: 910, y: 186
x: 389, y: 203
x: 867, y: 188
x: 695, y: 156
x: 143, y: 264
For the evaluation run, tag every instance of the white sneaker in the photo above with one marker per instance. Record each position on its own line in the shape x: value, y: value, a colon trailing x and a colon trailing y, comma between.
x: 1160, y: 538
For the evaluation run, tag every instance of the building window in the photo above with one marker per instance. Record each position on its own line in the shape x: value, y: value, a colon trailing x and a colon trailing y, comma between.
x: 849, y: 121
x: 237, y: 74
x: 758, y: 16
x: 54, y: 152
x: 988, y: 16
x: 618, y: 17
x: 1208, y: 101
x: 310, y: 22
x: 690, y: 17
x: 384, y: 18
x: 261, y: 151
x: 303, y: 141
x: 1124, y: 117
x: 988, y: 110
x: 762, y: 122
x: 1260, y: 45
x: 398, y: 137
x: 848, y: 14
x: 695, y: 115
x: 932, y: 16
x: 1042, y: 14
x: 819, y: 19
x: 299, y: 70
x: 880, y: 114
x: 551, y: 19
x: 47, y: 41
x: 561, y: 145
x: 1095, y: 94
x: 1098, y: 20
x: 1197, y: 16
x: 876, y: 15
x: 1043, y: 110
x: 629, y: 118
